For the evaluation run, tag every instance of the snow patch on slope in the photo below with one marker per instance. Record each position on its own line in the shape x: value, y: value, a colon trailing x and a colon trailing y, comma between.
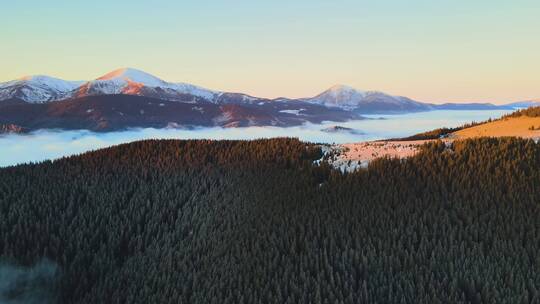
x: 293, y: 112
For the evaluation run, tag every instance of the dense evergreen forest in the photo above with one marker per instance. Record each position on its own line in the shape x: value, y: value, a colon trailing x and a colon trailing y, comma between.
x: 257, y: 222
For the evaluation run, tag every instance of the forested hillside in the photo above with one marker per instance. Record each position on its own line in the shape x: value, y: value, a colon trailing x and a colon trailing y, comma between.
x: 257, y: 222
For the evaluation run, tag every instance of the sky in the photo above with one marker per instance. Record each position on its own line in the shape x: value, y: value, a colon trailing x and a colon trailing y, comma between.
x: 432, y: 51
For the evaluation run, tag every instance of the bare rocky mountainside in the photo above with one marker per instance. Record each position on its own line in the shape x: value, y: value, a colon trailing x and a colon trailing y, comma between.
x: 129, y: 98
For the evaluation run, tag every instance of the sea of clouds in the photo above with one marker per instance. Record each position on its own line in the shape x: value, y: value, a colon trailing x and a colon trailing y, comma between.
x: 43, y: 145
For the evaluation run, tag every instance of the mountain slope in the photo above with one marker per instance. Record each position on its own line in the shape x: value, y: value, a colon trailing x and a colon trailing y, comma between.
x: 514, y: 127
x: 523, y: 124
x: 117, y: 112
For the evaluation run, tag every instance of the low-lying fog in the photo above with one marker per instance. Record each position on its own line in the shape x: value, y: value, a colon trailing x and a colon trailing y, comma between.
x: 43, y: 145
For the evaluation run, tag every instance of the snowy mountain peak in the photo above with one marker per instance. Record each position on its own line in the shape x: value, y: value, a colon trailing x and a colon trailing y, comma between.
x: 30, y: 77
x: 343, y: 92
x: 349, y: 98
x: 133, y: 75
x: 341, y: 88
x: 339, y: 96
x: 131, y: 81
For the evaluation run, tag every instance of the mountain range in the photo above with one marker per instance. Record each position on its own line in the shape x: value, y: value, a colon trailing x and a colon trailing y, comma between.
x: 127, y: 98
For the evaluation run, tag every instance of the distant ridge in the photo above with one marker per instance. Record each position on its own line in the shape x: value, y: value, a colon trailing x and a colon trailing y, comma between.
x: 131, y: 98
x: 130, y: 81
x: 37, y: 89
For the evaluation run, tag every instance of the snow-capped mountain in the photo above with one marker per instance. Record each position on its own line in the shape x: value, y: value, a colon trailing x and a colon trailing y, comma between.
x: 37, y: 89
x: 127, y: 81
x: 128, y: 98
x: 346, y: 97
x: 130, y: 81
x: 339, y: 96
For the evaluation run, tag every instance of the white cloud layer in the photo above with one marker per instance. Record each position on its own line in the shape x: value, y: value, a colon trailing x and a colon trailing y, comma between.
x: 43, y: 145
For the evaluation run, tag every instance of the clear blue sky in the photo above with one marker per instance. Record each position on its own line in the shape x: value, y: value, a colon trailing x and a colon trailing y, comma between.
x: 429, y: 50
